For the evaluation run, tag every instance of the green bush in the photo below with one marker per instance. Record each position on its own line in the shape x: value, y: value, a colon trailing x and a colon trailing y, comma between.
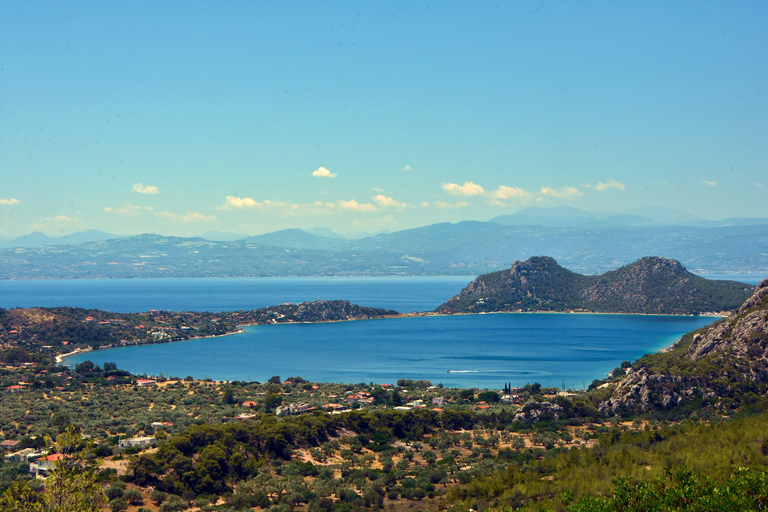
x: 118, y: 505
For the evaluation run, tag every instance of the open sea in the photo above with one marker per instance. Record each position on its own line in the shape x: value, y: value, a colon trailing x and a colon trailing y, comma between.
x: 482, y: 351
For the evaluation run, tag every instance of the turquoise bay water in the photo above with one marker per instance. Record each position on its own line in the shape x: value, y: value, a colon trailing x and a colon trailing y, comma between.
x: 462, y: 351
x: 465, y: 351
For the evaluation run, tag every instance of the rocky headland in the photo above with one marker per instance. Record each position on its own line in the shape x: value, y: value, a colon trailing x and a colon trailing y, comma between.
x: 727, y: 361
x: 651, y: 285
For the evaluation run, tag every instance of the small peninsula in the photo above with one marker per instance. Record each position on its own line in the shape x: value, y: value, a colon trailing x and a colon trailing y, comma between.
x: 27, y: 334
x: 651, y: 285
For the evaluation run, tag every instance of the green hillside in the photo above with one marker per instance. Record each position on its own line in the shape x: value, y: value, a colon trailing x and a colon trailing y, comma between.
x: 651, y: 286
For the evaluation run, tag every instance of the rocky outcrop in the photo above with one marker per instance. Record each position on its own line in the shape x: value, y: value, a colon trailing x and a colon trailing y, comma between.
x: 333, y: 311
x: 726, y: 360
x: 744, y: 334
x: 651, y: 285
x: 533, y: 411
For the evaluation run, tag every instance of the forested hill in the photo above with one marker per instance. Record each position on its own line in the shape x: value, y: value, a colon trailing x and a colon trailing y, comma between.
x: 726, y: 363
x: 651, y: 285
x: 47, y: 330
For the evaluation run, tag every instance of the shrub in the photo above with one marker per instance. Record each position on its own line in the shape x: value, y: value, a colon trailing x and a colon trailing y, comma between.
x: 133, y: 496
x: 113, y: 491
x: 158, y: 496
x: 118, y: 505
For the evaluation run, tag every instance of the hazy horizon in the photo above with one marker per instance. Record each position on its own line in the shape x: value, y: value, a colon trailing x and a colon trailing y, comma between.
x: 322, y: 230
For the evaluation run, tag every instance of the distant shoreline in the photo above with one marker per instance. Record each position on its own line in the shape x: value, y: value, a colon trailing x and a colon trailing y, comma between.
x: 721, y: 314
x: 61, y: 357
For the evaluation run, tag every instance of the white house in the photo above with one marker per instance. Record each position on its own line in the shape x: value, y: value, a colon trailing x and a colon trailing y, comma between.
x: 138, y: 441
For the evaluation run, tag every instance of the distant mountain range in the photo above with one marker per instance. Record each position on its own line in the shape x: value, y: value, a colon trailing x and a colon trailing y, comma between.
x: 565, y: 216
x: 650, y: 285
x: 38, y: 239
x: 584, y: 242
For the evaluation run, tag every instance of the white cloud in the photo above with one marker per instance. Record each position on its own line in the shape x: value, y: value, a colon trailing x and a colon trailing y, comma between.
x: 610, y: 184
x: 388, y: 202
x: 516, y: 193
x: 12, y: 200
x: 145, y: 189
x: 322, y: 172
x: 709, y: 183
x: 355, y: 206
x: 408, y: 168
x: 449, y: 206
x: 190, y: 216
x: 425, y: 204
x: 129, y: 209
x: 57, y: 221
x: 563, y: 193
x: 249, y: 203
x: 467, y: 189
x: 239, y: 202
x: 759, y: 185
x: 316, y: 208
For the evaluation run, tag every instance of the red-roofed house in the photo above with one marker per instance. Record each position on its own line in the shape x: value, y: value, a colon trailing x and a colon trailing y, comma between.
x: 42, y: 466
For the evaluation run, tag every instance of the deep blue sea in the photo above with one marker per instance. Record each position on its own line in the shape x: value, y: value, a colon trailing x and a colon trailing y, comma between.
x: 403, y: 294
x: 465, y: 351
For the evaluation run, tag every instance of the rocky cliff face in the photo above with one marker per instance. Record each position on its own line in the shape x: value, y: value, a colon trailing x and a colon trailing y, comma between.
x: 745, y: 334
x: 651, y: 285
x: 728, y: 360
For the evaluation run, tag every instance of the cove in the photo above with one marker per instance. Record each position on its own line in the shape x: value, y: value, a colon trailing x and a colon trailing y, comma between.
x: 483, y: 351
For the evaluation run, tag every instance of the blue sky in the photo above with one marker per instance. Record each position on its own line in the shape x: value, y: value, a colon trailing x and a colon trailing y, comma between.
x: 243, y: 116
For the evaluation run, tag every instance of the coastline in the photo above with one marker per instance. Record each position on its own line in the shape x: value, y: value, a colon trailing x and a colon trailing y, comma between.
x: 60, y: 358
x: 709, y: 314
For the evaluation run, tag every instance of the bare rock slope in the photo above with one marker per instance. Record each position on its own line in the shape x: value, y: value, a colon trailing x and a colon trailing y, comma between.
x: 726, y: 361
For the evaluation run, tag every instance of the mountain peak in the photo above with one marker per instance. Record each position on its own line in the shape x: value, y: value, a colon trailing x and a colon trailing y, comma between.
x: 657, y: 265
x: 651, y: 285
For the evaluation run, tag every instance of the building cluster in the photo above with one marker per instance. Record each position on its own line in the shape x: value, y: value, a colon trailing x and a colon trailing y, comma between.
x: 361, y: 397
x: 41, y: 462
x: 296, y: 408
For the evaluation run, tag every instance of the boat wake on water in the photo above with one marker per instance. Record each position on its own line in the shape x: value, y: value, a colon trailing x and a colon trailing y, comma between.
x: 521, y: 373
